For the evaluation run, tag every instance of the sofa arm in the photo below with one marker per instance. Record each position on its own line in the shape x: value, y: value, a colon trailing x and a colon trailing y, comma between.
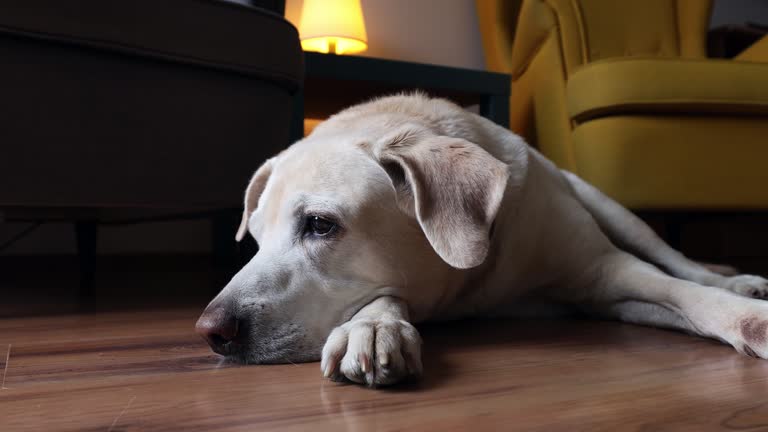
x: 757, y: 52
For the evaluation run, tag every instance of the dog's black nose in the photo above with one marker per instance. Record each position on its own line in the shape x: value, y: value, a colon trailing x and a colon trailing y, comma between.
x: 218, y: 328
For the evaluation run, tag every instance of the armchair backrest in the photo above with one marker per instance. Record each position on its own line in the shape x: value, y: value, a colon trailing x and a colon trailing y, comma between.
x: 591, y: 30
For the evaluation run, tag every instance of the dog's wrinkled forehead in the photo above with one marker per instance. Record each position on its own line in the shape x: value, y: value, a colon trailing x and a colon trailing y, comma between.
x: 320, y: 174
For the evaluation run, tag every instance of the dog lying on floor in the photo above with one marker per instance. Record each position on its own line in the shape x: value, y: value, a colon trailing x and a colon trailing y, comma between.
x: 407, y: 209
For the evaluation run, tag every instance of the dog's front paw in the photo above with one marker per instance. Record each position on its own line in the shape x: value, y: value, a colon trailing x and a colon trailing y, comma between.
x: 372, y: 352
x: 748, y: 285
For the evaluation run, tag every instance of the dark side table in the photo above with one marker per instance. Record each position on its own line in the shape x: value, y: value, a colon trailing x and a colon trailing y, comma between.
x: 334, y: 82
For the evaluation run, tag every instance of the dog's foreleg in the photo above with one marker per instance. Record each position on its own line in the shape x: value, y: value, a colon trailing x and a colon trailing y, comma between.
x: 635, y: 291
x: 378, y: 346
x: 633, y: 235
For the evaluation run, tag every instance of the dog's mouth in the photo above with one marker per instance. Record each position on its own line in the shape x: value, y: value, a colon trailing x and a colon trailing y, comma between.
x: 244, y: 356
x: 286, y: 346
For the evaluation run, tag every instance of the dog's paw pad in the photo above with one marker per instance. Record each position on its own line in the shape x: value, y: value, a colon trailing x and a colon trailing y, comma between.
x: 372, y: 352
x: 748, y: 285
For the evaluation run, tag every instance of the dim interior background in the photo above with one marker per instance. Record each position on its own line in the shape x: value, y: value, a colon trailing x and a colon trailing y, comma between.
x: 183, y: 247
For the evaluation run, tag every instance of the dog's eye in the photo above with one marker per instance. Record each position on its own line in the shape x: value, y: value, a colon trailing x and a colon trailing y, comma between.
x: 319, y: 226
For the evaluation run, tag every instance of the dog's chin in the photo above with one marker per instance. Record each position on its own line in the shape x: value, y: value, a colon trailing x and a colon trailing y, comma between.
x: 246, y: 355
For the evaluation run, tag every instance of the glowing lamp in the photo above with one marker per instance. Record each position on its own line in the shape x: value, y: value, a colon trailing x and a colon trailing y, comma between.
x: 333, y: 26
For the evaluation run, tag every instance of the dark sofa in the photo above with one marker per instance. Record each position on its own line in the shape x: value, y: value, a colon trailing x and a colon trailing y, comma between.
x: 139, y: 108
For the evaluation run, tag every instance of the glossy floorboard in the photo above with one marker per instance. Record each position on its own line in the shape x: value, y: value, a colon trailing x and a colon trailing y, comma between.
x: 147, y: 371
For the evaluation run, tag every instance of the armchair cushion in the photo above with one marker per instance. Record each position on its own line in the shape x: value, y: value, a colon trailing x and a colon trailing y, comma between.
x: 675, y: 161
x: 631, y: 85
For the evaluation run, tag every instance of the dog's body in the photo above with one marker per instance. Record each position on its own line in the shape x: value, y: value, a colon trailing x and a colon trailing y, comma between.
x: 408, y: 209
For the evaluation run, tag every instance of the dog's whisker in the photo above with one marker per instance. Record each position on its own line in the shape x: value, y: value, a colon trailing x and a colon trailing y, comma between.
x: 221, y: 362
x: 5, y: 371
x: 114, y: 422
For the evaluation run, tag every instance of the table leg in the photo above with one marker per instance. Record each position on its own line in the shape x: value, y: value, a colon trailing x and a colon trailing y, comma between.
x: 86, y: 233
x: 495, y: 107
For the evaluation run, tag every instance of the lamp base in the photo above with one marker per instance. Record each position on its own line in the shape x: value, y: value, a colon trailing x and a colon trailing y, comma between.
x: 333, y: 45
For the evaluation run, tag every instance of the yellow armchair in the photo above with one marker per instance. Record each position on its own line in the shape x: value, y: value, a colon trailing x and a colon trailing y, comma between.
x: 622, y: 94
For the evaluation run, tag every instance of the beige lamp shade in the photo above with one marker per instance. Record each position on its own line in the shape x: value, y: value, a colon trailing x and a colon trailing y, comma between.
x: 333, y: 26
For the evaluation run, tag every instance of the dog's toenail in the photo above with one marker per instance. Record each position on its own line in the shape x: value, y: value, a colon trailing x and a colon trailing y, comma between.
x: 363, y: 360
x: 750, y: 352
x: 384, y: 360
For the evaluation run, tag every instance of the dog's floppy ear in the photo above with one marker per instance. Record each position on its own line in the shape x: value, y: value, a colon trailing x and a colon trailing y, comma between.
x: 454, y: 189
x: 252, y: 194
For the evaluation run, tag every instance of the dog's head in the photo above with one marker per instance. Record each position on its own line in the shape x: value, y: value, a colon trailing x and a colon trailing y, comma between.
x: 366, y: 206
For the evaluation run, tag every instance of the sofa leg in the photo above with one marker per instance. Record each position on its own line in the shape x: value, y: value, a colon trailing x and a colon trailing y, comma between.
x: 224, y: 247
x: 86, y: 233
x: 674, y: 230
x: 247, y: 248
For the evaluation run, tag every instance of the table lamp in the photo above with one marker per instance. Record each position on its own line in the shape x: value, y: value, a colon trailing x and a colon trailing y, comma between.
x: 333, y: 26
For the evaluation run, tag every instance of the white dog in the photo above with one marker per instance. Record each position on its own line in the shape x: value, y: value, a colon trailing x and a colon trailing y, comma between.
x: 407, y: 209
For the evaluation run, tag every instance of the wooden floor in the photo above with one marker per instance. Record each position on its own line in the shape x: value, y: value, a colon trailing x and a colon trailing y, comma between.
x: 147, y: 371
